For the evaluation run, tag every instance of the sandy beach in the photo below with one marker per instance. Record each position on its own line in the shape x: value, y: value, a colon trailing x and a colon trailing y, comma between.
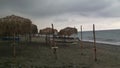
x: 40, y: 55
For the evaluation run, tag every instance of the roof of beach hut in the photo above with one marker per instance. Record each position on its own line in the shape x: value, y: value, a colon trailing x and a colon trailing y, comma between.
x: 15, y: 24
x: 68, y: 31
x: 47, y: 31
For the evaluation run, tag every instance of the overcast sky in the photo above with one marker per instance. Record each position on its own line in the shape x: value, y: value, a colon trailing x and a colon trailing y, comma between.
x: 105, y: 14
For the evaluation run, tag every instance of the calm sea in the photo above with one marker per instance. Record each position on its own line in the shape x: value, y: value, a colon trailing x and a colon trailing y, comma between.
x: 103, y: 36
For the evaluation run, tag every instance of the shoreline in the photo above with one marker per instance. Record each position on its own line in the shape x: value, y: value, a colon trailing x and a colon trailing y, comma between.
x: 101, y: 45
x: 103, y: 42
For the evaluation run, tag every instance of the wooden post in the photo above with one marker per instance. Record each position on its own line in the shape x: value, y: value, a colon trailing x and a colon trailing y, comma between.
x: 14, y: 49
x: 53, y: 34
x: 49, y: 37
x: 46, y: 40
x: 30, y: 34
x: 54, y: 44
x: 13, y: 45
x: 95, y: 58
x: 81, y: 40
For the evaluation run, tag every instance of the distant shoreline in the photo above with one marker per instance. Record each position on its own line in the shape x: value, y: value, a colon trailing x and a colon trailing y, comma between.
x: 102, y: 42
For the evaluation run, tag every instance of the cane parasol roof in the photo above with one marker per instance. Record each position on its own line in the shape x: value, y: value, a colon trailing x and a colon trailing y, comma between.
x: 68, y: 31
x: 47, y: 31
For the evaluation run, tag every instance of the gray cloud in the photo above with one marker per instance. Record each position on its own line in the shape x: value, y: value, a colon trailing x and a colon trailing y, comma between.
x: 46, y: 8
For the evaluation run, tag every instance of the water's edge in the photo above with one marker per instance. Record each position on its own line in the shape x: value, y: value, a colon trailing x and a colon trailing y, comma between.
x: 103, y: 42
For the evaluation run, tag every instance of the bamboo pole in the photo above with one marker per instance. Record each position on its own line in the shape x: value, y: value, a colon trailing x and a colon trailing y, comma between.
x: 54, y: 44
x: 14, y: 46
x: 14, y: 49
x: 46, y: 41
x: 48, y: 36
x: 81, y: 40
x: 95, y: 58
x: 30, y: 33
x: 53, y: 35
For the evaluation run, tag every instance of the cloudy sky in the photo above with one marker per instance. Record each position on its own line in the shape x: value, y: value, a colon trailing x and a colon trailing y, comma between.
x: 105, y: 14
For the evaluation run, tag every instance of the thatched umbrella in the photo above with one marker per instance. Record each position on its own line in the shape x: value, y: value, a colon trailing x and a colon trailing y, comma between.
x: 47, y: 31
x: 15, y: 24
x: 34, y: 29
x: 67, y: 31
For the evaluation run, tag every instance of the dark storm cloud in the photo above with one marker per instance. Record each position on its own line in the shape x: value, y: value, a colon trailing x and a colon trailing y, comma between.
x: 46, y: 8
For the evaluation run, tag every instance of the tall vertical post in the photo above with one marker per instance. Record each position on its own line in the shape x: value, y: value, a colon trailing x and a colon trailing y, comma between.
x: 53, y: 43
x: 95, y: 58
x: 30, y: 33
x: 49, y: 37
x: 74, y: 34
x: 13, y: 45
x: 81, y: 40
x: 14, y: 50
x: 46, y: 40
x: 81, y: 33
x: 53, y: 34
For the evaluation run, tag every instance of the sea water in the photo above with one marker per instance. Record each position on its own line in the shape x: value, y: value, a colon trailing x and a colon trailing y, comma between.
x: 102, y: 36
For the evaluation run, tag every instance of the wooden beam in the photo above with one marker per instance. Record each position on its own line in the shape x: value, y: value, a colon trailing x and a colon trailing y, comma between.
x: 53, y: 36
x: 14, y: 49
x: 81, y: 45
x: 81, y: 36
x: 54, y: 47
x: 94, y: 43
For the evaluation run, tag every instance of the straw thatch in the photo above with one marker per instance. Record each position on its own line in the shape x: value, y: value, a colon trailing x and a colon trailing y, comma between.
x: 14, y: 24
x: 47, y: 31
x: 34, y: 29
x: 67, y: 31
